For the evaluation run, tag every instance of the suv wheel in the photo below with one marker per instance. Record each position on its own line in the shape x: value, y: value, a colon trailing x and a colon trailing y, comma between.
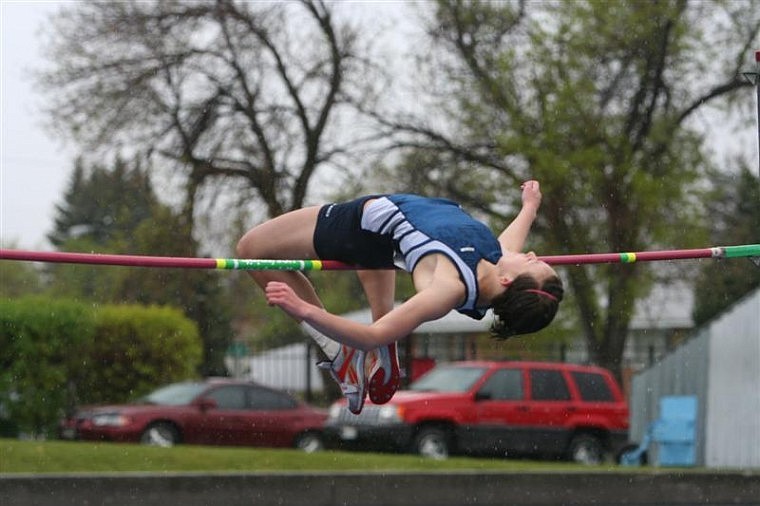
x: 433, y: 443
x: 160, y: 434
x: 586, y: 449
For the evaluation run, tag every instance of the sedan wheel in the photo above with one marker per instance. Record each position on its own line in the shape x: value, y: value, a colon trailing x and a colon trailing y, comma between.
x: 310, y: 442
x: 160, y: 434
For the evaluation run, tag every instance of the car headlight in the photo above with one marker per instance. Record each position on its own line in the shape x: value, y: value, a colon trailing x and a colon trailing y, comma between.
x: 390, y: 413
x: 334, y: 412
x: 110, y: 420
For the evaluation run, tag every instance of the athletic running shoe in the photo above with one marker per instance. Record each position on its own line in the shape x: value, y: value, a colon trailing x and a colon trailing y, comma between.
x: 384, y: 373
x: 348, y: 370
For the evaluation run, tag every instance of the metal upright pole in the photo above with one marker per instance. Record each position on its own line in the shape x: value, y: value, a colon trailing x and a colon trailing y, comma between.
x: 757, y: 89
x: 754, y: 78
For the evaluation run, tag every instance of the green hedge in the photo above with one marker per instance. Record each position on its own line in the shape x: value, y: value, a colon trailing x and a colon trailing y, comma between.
x: 40, y: 340
x: 136, y: 348
x: 57, y: 353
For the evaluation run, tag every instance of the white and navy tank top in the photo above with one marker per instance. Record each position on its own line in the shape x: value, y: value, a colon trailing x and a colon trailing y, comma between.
x: 420, y: 226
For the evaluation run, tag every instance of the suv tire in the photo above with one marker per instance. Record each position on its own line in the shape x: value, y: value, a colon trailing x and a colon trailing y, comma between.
x: 433, y: 443
x: 586, y: 449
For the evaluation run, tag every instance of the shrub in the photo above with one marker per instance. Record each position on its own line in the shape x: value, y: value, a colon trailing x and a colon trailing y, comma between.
x: 40, y: 340
x: 134, y: 349
x: 57, y: 353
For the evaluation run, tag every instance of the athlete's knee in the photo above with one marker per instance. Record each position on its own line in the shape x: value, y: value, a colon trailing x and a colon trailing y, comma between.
x: 249, y: 245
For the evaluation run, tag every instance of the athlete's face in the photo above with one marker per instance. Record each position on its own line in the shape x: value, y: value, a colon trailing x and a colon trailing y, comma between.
x: 512, y: 265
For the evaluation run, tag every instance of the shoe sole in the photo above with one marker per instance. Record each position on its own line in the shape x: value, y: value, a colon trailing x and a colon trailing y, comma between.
x: 381, y: 391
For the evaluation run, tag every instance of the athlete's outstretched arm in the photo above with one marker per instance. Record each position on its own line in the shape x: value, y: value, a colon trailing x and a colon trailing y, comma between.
x: 513, y: 237
x: 426, y: 305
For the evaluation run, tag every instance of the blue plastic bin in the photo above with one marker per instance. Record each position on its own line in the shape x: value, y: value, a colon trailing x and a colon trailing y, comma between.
x: 675, y: 432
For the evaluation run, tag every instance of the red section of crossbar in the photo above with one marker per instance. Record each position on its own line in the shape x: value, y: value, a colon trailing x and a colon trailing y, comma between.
x: 640, y: 256
x: 105, y: 259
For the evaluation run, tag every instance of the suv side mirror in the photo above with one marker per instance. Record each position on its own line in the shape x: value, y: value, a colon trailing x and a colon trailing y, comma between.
x: 482, y: 396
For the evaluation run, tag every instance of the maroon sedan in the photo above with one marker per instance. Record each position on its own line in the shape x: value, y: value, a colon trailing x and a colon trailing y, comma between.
x: 211, y: 412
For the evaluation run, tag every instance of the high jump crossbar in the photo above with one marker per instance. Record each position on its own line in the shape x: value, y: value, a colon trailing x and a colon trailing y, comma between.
x: 746, y: 250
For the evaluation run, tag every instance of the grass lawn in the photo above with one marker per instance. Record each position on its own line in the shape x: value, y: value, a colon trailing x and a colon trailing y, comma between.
x: 65, y: 457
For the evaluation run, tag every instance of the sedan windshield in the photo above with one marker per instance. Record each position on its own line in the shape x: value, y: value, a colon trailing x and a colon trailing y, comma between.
x: 448, y: 379
x: 175, y: 395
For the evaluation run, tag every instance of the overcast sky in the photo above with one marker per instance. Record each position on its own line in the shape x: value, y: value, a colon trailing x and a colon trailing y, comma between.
x: 35, y: 167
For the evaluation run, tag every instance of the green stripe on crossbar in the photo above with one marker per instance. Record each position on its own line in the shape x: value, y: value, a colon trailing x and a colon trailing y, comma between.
x: 747, y: 250
x: 268, y: 265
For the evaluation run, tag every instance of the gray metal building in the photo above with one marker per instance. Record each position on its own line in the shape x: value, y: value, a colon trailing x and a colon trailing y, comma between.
x: 721, y: 367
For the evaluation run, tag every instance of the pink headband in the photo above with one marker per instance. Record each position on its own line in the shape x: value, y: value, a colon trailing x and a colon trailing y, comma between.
x: 541, y: 292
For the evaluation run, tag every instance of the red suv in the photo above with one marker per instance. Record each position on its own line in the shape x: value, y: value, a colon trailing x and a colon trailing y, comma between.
x: 548, y: 410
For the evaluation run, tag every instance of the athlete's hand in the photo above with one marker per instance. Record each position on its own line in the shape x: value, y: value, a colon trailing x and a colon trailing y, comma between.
x: 531, y: 195
x: 281, y: 295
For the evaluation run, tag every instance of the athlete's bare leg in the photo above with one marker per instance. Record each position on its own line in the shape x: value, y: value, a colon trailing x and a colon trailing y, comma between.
x: 288, y: 236
x: 382, y: 368
x: 380, y: 288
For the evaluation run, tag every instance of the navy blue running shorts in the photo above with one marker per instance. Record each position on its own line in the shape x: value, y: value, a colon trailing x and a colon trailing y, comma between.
x: 339, y: 236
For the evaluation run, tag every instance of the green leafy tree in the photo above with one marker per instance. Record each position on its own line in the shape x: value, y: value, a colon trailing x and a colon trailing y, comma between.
x: 734, y: 210
x: 593, y: 99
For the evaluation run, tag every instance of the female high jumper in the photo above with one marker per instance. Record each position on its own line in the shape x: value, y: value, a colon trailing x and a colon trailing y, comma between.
x: 455, y: 262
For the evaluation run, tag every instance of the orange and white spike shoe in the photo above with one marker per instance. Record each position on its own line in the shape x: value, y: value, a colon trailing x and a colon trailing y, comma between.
x: 384, y: 373
x: 348, y: 370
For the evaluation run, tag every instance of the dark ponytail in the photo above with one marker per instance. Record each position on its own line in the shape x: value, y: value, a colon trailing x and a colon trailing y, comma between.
x: 525, y: 306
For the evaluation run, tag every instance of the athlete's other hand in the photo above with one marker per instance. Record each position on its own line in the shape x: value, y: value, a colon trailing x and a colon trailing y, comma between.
x: 531, y: 194
x: 281, y: 295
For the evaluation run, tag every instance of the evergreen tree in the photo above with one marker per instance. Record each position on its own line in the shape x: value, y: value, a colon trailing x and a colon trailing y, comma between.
x: 103, y: 204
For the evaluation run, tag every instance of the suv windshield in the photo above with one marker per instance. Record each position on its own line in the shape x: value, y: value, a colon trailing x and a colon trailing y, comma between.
x: 175, y: 395
x: 448, y: 379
